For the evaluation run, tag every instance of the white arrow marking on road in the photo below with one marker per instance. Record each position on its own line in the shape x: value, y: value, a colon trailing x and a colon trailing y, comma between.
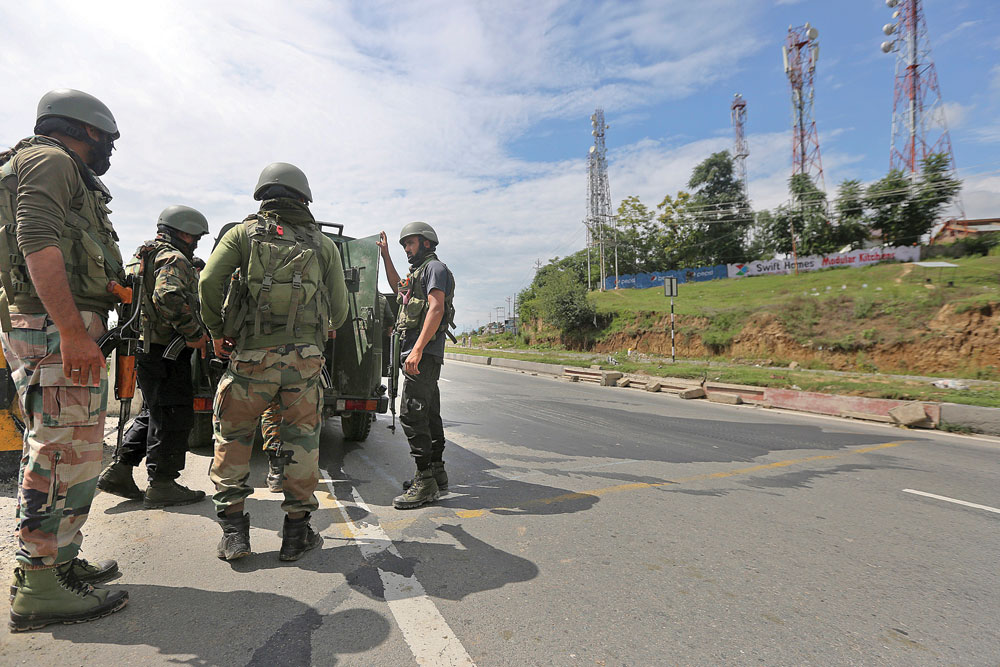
x: 953, y: 500
x: 426, y: 632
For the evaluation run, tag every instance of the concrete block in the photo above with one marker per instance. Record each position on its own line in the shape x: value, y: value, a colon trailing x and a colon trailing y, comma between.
x: 722, y: 397
x: 609, y: 378
x: 468, y: 358
x: 979, y: 419
x: 623, y: 382
x: 866, y: 416
x: 694, y: 392
x: 595, y: 367
x: 909, y: 414
x: 652, y: 386
x: 527, y: 366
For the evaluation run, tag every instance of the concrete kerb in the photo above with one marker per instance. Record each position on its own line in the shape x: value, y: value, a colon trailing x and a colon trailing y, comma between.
x: 975, y: 418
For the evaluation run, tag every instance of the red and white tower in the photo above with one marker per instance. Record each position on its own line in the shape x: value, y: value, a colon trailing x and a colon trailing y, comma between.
x: 800, y: 53
x: 741, y: 151
x: 919, y: 127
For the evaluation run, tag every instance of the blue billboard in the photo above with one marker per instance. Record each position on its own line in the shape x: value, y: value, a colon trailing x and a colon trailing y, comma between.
x: 647, y: 280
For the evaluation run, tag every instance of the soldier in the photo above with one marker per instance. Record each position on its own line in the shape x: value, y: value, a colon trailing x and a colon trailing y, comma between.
x: 270, y: 428
x: 425, y: 313
x: 290, y: 293
x: 170, y: 309
x: 58, y: 252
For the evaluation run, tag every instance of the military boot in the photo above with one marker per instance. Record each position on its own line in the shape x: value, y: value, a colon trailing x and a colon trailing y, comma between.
x: 82, y: 570
x: 297, y: 537
x: 423, y: 489
x: 54, y: 595
x: 117, y: 480
x: 235, y: 541
x: 275, y: 473
x: 440, y: 476
x: 167, y: 492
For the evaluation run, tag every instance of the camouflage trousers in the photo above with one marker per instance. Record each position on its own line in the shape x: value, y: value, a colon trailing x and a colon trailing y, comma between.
x: 63, y: 440
x: 270, y: 428
x: 290, y: 375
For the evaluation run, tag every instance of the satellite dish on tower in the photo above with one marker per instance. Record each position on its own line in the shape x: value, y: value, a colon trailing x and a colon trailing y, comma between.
x: 812, y: 33
x: 593, y: 148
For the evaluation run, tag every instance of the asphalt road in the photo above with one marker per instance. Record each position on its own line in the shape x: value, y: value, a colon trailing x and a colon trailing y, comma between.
x: 586, y: 526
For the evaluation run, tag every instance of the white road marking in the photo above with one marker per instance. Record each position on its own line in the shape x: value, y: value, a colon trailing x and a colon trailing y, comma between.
x: 953, y: 500
x: 444, y: 379
x: 426, y: 632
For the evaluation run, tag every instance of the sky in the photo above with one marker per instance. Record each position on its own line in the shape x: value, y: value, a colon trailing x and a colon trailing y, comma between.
x: 475, y: 116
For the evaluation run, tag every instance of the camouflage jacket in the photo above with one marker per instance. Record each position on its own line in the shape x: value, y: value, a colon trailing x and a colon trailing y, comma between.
x: 170, y: 305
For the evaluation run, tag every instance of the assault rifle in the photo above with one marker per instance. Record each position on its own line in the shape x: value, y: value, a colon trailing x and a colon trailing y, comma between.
x: 124, y: 341
x: 393, y: 376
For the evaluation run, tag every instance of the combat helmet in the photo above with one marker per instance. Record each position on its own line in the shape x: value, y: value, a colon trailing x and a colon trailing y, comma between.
x: 80, y: 106
x: 184, y: 219
x: 418, y: 229
x: 286, y: 175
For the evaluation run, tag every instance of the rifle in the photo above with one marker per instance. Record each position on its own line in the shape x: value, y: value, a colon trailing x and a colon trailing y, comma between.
x: 124, y: 341
x: 393, y: 376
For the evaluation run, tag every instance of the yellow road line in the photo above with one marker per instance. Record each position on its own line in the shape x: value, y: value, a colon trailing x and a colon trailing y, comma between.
x: 619, y: 488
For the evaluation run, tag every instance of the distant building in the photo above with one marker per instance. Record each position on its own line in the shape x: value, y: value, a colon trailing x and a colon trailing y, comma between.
x: 953, y: 230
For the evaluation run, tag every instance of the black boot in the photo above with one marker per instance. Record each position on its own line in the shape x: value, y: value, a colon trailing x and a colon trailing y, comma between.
x: 117, y: 479
x: 235, y: 541
x: 440, y: 476
x: 297, y: 537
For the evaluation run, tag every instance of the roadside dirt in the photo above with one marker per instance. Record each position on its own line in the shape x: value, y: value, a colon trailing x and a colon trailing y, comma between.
x: 960, y: 343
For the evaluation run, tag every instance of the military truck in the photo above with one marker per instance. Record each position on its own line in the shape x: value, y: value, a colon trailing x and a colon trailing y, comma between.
x: 355, y: 360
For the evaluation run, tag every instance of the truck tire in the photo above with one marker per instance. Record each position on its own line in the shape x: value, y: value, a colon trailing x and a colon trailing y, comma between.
x: 356, y: 426
x: 200, y: 438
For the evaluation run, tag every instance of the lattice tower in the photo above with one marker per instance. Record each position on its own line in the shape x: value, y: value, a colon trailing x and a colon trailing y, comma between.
x: 602, y: 226
x: 800, y: 53
x: 741, y: 151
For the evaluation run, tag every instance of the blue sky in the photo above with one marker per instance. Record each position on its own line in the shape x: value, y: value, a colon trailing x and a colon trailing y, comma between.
x: 474, y: 116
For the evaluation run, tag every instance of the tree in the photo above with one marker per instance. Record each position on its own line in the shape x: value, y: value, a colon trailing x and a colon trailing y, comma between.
x: 903, y: 210
x: 852, y: 227
x: 636, y: 236
x: 720, y: 211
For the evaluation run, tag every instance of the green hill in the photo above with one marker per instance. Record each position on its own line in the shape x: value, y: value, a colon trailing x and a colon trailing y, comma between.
x: 887, y: 317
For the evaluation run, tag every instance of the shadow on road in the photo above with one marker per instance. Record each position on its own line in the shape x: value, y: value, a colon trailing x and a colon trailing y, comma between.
x: 200, y: 627
x: 447, y: 571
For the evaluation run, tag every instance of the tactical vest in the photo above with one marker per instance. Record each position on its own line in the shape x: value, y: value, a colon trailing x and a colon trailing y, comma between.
x: 154, y: 328
x: 413, y: 302
x: 88, y: 243
x: 280, y: 286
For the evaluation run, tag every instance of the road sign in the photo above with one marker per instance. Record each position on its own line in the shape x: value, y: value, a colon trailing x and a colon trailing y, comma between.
x: 670, y: 286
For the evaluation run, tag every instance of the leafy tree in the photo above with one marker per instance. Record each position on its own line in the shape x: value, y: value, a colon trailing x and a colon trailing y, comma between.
x: 637, y: 236
x: 720, y: 211
x: 852, y: 227
x: 903, y: 210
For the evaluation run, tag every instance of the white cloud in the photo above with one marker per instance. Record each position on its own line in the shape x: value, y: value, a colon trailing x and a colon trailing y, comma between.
x: 395, y: 111
x: 955, y: 113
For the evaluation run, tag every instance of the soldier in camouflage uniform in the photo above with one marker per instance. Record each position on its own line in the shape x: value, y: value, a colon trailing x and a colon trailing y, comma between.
x: 58, y: 252
x: 290, y: 293
x: 270, y: 428
x: 170, y: 309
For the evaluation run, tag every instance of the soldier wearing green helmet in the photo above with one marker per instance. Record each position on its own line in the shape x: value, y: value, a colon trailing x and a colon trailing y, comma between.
x: 58, y: 253
x: 425, y: 314
x: 288, y: 296
x: 170, y: 308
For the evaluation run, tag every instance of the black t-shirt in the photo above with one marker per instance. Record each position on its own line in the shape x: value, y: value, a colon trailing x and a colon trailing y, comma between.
x: 434, y: 276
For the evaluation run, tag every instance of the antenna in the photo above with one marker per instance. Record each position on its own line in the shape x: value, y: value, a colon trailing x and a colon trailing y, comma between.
x: 919, y: 126
x: 602, y: 226
x: 741, y: 151
x: 800, y: 53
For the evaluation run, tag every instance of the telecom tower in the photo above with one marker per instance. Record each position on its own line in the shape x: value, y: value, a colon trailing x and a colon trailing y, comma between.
x: 741, y: 151
x: 918, y: 121
x: 800, y: 53
x: 602, y: 226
